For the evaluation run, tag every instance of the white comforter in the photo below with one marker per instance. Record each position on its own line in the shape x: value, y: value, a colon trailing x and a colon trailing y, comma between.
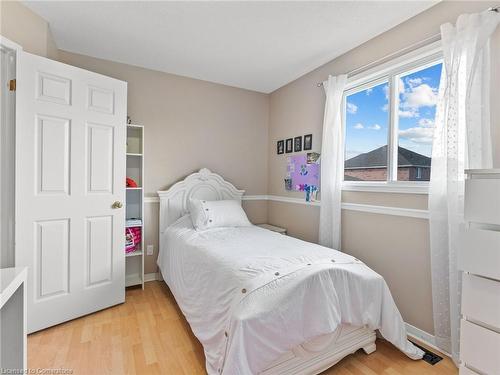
x: 251, y: 295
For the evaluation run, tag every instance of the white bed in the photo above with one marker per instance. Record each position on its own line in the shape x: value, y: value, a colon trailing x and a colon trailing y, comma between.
x: 260, y: 302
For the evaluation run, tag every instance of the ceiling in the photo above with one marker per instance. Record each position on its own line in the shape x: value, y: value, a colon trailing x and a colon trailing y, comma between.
x: 254, y: 45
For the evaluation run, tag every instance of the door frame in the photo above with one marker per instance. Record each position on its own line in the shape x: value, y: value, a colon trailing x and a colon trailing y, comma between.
x: 7, y: 159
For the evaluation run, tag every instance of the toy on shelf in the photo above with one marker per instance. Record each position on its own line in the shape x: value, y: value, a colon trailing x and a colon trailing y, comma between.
x: 133, y: 238
x: 131, y: 183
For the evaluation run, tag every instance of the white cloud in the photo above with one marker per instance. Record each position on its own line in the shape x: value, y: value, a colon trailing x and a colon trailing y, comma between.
x: 411, y: 112
x: 375, y: 127
x: 426, y: 122
x: 413, y: 82
x: 352, y: 108
x: 385, y: 107
x: 359, y: 126
x: 418, y: 135
x: 368, y: 91
x: 420, y: 96
x: 385, y: 88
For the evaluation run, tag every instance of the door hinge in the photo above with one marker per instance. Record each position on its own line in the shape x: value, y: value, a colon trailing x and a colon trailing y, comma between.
x: 12, y: 85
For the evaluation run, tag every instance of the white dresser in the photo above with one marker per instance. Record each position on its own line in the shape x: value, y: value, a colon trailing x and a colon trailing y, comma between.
x: 13, y: 326
x: 479, y: 258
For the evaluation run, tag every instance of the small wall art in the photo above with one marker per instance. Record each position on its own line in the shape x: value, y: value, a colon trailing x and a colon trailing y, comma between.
x: 308, y: 141
x: 312, y: 157
x: 280, y: 147
x: 297, y: 144
x: 289, y: 145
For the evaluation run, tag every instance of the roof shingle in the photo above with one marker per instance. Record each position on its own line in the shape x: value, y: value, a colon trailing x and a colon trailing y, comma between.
x: 378, y: 158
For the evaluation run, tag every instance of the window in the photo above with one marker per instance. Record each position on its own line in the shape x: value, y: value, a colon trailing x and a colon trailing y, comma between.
x: 419, y: 173
x: 417, y: 98
x: 366, y: 132
x: 389, y: 121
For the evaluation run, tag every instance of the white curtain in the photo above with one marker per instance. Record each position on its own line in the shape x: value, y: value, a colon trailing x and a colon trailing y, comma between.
x: 461, y: 140
x: 332, y: 163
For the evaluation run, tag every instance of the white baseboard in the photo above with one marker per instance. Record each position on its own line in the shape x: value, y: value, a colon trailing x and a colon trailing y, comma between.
x: 424, y: 337
x: 374, y: 209
x: 150, y: 277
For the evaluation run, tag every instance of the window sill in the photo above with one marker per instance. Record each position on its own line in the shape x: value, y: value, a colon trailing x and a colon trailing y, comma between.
x: 387, y: 187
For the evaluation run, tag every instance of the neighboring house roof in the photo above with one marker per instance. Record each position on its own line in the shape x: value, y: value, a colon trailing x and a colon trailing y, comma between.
x: 378, y: 158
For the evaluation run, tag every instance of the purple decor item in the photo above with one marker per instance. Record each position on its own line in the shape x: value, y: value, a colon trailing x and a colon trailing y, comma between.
x: 301, y: 173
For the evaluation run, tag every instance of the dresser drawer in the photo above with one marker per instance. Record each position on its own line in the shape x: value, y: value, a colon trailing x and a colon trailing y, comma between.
x: 479, y: 252
x: 482, y: 200
x: 481, y: 300
x: 479, y: 348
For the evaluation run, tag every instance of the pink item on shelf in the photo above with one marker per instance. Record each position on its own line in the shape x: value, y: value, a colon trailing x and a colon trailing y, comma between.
x: 133, y: 238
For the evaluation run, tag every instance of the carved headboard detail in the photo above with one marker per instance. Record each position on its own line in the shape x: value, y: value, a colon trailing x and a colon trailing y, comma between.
x: 200, y: 185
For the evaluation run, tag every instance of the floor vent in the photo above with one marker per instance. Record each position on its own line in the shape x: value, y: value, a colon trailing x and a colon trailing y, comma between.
x: 429, y: 356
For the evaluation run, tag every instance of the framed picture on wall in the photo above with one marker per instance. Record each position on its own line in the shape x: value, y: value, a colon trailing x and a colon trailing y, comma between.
x: 280, y: 147
x: 297, y: 144
x: 289, y: 145
x: 308, y: 142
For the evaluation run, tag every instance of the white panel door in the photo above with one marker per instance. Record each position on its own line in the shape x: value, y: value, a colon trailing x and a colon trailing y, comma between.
x: 70, y: 170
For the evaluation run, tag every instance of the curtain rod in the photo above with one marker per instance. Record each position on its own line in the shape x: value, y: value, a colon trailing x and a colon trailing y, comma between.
x: 390, y: 56
x: 417, y: 45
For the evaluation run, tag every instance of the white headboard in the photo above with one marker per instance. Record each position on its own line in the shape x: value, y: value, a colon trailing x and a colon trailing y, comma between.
x: 200, y: 185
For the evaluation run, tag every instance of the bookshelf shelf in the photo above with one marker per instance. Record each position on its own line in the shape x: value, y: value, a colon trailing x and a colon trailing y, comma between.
x: 134, y: 253
x: 134, y: 261
x: 133, y: 225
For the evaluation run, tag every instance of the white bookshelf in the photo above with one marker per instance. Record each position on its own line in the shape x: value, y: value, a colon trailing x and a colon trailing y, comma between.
x: 134, y: 261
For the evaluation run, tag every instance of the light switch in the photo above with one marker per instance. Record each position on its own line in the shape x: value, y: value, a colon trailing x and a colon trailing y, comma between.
x: 149, y: 249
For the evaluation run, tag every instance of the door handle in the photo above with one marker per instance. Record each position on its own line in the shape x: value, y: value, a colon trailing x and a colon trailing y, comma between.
x: 117, y: 204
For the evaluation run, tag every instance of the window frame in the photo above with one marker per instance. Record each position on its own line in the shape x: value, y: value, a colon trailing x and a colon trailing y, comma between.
x: 418, y: 173
x: 389, y: 72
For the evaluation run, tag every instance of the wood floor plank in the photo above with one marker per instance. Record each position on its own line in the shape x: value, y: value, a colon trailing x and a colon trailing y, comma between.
x: 149, y: 335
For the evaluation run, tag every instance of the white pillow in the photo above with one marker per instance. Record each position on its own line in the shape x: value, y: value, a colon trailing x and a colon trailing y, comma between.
x: 216, y: 214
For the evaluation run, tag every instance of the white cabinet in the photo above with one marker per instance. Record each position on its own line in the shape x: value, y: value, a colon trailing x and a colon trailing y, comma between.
x: 479, y: 348
x: 13, y: 328
x: 134, y: 210
x: 479, y: 258
x: 481, y: 300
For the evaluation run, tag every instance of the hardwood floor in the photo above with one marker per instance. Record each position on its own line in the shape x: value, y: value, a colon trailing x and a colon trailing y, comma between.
x: 149, y: 335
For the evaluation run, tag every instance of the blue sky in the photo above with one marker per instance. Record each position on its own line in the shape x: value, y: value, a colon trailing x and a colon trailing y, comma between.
x: 367, y: 118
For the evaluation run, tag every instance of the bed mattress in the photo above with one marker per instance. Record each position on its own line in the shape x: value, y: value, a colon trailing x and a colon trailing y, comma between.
x: 250, y: 294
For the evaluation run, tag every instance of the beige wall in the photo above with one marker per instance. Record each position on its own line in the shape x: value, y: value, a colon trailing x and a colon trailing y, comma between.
x: 190, y: 124
x: 396, y: 247
x: 393, y: 246
x: 22, y: 26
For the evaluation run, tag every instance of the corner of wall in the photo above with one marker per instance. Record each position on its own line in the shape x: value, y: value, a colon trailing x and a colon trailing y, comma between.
x: 21, y: 25
x: 52, y: 50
